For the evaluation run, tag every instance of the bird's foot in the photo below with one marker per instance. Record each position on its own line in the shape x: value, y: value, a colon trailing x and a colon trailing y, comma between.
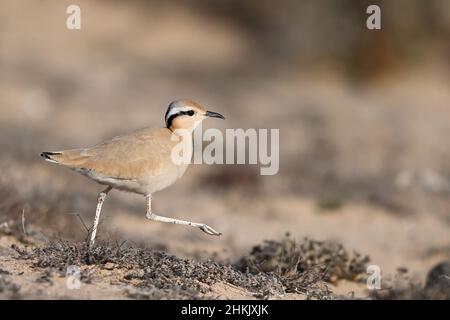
x: 207, y: 229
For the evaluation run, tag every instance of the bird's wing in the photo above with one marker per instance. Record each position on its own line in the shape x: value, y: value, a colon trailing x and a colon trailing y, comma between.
x: 144, y: 152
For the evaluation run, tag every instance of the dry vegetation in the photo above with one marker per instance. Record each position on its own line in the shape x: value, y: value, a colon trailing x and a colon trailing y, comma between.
x: 273, y: 270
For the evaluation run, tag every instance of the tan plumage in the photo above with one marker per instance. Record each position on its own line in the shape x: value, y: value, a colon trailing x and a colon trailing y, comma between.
x: 138, y: 162
x: 141, y: 161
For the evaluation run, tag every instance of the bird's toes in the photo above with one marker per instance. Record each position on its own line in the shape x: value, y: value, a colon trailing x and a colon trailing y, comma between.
x: 207, y: 229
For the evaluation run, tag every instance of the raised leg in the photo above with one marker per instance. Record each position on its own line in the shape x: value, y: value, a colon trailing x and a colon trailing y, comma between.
x: 100, y: 200
x: 205, y: 228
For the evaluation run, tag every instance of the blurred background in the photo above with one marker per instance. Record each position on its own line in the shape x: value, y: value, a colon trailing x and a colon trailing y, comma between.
x: 364, y: 119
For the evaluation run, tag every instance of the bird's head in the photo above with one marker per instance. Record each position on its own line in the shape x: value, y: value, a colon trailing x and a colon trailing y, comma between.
x: 187, y: 114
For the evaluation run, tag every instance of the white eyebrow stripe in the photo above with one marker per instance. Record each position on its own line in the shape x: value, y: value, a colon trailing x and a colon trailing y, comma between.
x: 176, y: 110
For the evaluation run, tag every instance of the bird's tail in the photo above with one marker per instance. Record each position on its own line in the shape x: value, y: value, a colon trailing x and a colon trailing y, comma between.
x: 51, y: 156
x: 70, y: 158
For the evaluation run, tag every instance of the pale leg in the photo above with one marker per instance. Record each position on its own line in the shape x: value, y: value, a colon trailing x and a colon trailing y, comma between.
x: 205, y: 228
x: 100, y: 200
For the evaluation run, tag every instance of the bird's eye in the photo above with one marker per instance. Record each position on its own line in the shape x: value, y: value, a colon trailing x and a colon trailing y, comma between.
x: 190, y: 113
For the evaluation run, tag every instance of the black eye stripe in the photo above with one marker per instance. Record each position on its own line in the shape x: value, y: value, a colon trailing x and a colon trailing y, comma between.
x: 181, y: 113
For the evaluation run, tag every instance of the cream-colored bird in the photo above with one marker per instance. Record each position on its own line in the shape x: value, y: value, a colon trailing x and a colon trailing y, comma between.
x: 140, y: 162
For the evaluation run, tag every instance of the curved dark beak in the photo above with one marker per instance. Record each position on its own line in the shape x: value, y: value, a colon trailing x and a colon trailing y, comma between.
x: 212, y: 114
